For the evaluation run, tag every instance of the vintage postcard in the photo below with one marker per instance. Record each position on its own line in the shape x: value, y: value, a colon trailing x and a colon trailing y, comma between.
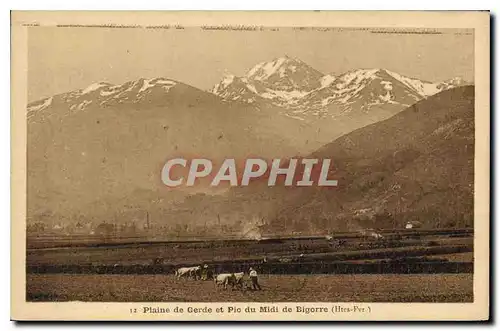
x: 250, y: 165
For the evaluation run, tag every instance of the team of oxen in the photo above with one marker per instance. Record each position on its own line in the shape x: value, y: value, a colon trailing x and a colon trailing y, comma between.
x: 235, y: 280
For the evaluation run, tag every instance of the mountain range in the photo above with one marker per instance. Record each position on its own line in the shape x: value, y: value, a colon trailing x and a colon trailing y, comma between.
x: 98, y: 152
x: 305, y: 92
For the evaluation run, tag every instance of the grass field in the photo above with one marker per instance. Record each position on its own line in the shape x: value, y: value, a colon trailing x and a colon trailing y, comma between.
x: 276, y: 288
x: 232, y: 251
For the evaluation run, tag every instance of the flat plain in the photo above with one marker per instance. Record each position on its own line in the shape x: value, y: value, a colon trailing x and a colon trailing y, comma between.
x: 276, y: 288
x: 407, y: 266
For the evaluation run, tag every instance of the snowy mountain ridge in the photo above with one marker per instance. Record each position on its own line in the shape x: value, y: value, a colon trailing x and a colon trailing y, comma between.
x: 297, y: 89
x: 292, y: 84
x: 103, y: 94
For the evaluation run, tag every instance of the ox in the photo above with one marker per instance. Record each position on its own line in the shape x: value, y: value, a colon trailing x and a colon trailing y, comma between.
x: 234, y: 279
x: 194, y: 272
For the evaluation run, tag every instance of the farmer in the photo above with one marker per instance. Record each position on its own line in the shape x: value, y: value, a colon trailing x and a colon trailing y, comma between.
x: 253, y: 278
x: 204, y: 272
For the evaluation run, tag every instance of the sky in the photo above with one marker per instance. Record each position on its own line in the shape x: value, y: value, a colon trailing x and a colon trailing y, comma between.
x: 62, y: 59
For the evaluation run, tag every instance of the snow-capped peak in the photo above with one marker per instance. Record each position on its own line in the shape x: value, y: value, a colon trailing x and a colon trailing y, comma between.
x: 226, y: 81
x: 281, y: 67
x: 455, y: 81
x: 284, y: 81
x: 264, y: 70
x: 149, y: 83
x: 327, y: 80
x: 94, y: 87
x: 39, y: 105
x: 425, y: 88
x: 355, y: 77
x: 105, y: 94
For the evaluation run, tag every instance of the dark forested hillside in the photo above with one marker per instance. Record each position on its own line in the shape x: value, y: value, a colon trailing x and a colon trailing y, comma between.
x: 415, y: 166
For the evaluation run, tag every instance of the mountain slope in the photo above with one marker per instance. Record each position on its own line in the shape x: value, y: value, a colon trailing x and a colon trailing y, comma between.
x: 417, y: 165
x: 106, y: 143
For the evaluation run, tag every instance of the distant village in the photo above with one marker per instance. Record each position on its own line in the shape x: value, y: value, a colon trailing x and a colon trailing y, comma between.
x: 138, y: 228
x: 89, y: 228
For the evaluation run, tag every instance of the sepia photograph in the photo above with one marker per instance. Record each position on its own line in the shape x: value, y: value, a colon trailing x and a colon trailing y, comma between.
x: 272, y: 164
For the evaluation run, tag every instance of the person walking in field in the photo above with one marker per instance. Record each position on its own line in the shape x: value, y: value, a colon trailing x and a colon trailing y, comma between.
x: 254, y: 279
x: 205, y: 272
